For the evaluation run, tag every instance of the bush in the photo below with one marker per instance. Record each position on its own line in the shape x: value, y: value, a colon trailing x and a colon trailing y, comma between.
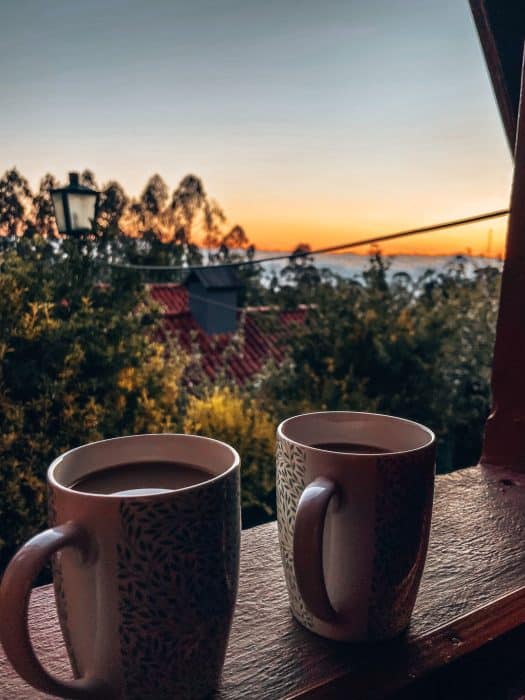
x: 77, y: 365
x: 420, y: 350
x: 226, y: 415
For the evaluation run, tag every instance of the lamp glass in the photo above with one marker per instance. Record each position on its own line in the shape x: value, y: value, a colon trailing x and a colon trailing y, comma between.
x: 82, y: 210
x: 60, y: 216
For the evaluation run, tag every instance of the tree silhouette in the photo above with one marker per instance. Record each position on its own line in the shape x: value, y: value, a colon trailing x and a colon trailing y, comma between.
x: 153, y: 229
x: 301, y: 270
x: 190, y: 203
x: 154, y: 197
x: 15, y: 203
x: 88, y: 179
x: 112, y: 203
x: 44, y: 214
x: 236, y: 238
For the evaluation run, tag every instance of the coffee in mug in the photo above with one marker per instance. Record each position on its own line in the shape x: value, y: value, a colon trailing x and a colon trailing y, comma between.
x: 354, y: 503
x: 142, y: 478
x: 353, y: 447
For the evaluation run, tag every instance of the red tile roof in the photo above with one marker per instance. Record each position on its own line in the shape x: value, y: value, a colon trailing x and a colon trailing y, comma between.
x: 255, y: 345
x: 173, y: 298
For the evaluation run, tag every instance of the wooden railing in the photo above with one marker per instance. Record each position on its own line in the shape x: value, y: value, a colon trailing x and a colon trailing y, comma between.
x: 473, y: 590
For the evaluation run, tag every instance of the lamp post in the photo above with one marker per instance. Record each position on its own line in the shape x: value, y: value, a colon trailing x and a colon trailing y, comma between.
x: 75, y: 207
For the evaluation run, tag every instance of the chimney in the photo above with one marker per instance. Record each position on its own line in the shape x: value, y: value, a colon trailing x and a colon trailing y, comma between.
x: 212, y: 294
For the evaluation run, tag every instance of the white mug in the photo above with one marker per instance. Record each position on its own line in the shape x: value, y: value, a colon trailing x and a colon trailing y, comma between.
x: 354, y: 522
x: 145, y: 584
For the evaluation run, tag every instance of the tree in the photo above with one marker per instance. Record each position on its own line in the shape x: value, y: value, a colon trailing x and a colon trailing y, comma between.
x: 44, y: 214
x: 15, y: 203
x: 301, y: 269
x: 112, y: 203
x: 236, y: 238
x: 164, y: 233
x: 189, y: 203
x: 154, y: 197
x: 88, y: 179
x: 299, y: 279
x: 148, y: 212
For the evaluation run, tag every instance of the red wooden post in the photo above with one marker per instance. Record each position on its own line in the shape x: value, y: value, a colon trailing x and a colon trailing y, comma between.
x: 504, y: 442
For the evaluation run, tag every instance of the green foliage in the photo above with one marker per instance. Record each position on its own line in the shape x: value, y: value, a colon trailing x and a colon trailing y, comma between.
x: 15, y: 200
x: 77, y: 364
x: 421, y: 350
x: 227, y: 414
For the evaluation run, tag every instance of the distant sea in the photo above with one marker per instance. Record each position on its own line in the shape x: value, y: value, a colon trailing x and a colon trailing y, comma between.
x: 350, y: 265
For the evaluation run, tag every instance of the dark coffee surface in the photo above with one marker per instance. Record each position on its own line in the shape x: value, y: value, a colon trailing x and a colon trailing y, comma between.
x: 353, y: 447
x: 142, y: 478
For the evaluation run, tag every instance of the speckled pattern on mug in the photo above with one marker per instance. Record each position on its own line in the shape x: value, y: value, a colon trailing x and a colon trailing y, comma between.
x: 58, y: 585
x: 402, y: 524
x: 291, y: 469
x: 178, y: 562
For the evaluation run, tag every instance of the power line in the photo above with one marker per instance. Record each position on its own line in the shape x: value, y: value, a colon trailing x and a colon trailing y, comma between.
x: 318, y: 251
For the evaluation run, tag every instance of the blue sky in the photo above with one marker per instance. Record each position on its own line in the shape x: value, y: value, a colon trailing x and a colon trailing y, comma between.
x: 316, y: 121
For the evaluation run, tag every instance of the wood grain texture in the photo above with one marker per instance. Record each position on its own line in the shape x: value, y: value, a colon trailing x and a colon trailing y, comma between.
x: 473, y: 590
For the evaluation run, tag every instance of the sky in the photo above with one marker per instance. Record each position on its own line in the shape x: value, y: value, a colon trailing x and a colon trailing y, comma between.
x: 317, y: 122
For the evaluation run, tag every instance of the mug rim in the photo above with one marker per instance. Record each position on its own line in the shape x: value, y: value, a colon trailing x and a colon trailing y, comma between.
x: 52, y: 481
x: 431, y: 435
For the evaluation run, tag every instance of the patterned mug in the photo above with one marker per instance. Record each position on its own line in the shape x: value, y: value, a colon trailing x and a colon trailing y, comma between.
x: 145, y: 585
x: 354, y: 503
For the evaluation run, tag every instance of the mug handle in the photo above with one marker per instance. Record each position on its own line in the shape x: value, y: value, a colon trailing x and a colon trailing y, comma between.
x: 14, y: 601
x: 308, y: 547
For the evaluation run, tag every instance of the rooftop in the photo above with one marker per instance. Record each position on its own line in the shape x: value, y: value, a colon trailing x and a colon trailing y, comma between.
x: 242, y: 354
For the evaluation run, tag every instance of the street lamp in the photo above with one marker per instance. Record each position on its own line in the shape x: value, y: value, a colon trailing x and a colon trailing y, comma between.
x: 75, y: 207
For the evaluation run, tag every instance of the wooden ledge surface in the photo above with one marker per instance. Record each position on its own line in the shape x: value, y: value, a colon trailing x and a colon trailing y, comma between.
x: 473, y: 590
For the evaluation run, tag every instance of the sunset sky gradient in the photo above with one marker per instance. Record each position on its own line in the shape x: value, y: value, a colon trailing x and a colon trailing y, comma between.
x: 318, y: 122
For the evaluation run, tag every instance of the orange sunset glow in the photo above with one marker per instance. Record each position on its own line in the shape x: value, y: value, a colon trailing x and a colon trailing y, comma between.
x: 283, y: 226
x: 481, y: 240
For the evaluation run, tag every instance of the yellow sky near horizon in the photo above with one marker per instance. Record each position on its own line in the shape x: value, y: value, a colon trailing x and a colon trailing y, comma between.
x: 485, y: 238
x: 283, y: 223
